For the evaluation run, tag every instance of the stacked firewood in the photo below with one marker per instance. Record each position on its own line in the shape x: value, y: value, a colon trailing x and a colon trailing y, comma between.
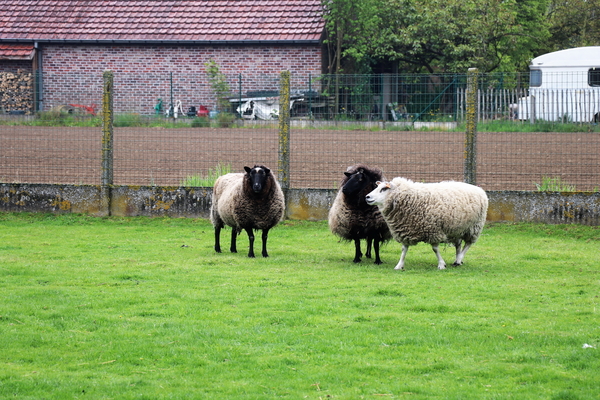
x: 16, y: 92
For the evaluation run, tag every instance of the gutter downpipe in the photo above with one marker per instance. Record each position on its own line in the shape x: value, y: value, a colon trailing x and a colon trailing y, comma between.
x: 39, y: 78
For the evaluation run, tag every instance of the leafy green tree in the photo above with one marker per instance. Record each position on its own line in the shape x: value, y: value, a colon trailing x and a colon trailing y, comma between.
x: 438, y: 35
x: 349, y: 24
x: 573, y: 23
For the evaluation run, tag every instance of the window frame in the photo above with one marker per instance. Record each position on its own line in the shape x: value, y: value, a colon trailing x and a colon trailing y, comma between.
x: 535, y: 78
x: 594, y: 77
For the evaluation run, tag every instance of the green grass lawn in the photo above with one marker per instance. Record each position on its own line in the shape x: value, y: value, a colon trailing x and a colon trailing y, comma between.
x: 140, y: 308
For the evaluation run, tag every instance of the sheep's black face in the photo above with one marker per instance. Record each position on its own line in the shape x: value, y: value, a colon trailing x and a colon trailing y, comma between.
x: 356, y: 182
x: 258, y: 177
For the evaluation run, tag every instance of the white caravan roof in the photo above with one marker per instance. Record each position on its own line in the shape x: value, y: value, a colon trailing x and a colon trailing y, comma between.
x: 576, y: 57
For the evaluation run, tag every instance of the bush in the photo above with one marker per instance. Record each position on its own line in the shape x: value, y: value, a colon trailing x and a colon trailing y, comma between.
x: 225, y: 119
x: 200, y: 122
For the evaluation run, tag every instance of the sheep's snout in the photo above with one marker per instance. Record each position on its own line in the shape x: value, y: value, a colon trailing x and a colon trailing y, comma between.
x: 377, y: 196
x: 374, y: 198
x: 256, y: 187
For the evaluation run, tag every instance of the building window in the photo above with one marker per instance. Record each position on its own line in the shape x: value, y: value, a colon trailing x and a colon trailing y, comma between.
x: 594, y: 76
x: 535, y: 78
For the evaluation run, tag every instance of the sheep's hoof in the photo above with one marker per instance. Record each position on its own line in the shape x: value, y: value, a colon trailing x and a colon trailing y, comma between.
x: 441, y: 267
x: 218, y: 249
x: 399, y: 268
x: 378, y: 262
x: 356, y: 260
x: 457, y: 264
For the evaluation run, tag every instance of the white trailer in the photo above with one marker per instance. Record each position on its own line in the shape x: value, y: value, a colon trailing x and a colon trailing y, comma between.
x: 563, y: 86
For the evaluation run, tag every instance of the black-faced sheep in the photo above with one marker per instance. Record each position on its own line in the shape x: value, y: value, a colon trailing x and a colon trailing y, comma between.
x: 250, y: 201
x: 351, y: 218
x: 434, y: 213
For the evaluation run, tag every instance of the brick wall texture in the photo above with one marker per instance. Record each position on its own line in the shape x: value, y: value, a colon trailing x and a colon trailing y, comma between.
x: 145, y: 73
x: 16, y: 66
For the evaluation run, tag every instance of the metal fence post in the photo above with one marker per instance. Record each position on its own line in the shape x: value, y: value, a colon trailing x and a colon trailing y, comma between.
x: 283, y: 160
x: 470, y: 173
x: 241, y: 112
x: 310, y: 114
x: 107, y: 139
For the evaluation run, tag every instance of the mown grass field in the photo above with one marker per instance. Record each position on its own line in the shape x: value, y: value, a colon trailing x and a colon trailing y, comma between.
x: 140, y: 308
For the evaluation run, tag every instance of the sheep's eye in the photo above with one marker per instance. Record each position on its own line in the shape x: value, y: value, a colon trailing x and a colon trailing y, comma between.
x: 383, y: 189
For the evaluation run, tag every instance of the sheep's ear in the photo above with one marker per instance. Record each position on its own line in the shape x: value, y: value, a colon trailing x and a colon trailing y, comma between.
x: 378, y: 183
x: 348, y: 174
x: 267, y: 170
x: 247, y: 169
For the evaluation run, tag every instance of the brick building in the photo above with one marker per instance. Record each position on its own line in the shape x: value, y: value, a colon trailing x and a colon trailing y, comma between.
x: 157, y: 49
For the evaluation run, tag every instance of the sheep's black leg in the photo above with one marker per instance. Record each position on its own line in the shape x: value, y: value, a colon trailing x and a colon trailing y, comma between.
x: 369, y: 244
x: 357, y: 252
x: 376, y: 243
x: 233, y: 246
x: 218, y: 239
x: 251, y: 240
x: 265, y: 235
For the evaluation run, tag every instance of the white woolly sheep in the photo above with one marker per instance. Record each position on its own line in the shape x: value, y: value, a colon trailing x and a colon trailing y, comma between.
x: 434, y: 213
x: 351, y: 218
x: 250, y: 201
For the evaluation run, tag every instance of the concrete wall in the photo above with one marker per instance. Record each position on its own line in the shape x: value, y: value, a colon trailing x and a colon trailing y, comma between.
x: 302, y: 204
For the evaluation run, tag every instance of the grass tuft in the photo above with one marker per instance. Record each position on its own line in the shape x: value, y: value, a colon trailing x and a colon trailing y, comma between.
x: 554, y: 184
x: 209, y: 179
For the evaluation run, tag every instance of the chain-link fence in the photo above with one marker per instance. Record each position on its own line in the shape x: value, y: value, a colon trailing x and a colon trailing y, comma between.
x: 170, y: 128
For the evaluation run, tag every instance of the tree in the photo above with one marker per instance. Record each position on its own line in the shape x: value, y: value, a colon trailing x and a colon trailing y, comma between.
x: 349, y: 24
x: 573, y: 23
x: 439, y: 35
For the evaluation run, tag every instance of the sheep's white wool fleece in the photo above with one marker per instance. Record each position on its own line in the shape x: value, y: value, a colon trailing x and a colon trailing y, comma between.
x: 443, y: 212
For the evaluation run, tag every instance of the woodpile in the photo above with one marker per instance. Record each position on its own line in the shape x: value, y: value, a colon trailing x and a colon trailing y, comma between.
x: 16, y: 92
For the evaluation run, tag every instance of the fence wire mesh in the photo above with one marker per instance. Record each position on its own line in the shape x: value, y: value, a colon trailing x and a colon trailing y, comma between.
x: 336, y: 121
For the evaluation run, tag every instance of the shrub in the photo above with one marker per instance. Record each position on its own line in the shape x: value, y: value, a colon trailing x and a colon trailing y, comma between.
x: 200, y: 122
x: 225, y: 119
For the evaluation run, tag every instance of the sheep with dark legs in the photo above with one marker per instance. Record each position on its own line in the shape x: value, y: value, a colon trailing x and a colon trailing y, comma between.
x: 434, y: 213
x: 246, y: 201
x: 352, y: 219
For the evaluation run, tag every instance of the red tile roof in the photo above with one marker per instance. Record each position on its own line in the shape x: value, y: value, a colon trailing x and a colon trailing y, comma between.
x: 137, y: 20
x: 16, y: 51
